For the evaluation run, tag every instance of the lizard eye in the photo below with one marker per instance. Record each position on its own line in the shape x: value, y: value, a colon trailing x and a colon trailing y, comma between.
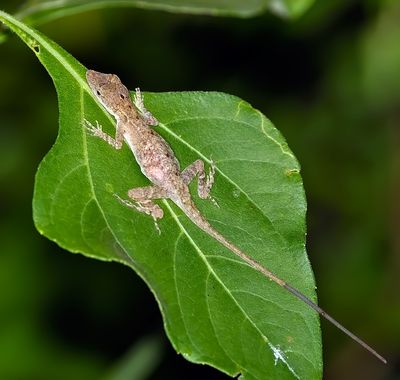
x: 98, y: 92
x: 122, y: 96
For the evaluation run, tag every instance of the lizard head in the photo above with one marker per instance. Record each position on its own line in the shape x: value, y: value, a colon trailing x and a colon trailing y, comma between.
x: 110, y: 91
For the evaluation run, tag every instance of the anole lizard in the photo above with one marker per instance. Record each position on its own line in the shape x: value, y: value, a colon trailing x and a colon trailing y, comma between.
x: 159, y: 164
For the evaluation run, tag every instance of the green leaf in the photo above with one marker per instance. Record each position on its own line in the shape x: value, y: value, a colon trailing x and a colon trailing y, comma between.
x: 38, y: 11
x: 216, y: 309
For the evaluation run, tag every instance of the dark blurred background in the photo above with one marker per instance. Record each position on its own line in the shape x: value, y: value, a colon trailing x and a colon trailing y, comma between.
x: 330, y: 82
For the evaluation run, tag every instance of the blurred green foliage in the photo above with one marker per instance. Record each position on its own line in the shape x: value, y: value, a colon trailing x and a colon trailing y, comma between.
x: 35, y: 12
x: 329, y: 81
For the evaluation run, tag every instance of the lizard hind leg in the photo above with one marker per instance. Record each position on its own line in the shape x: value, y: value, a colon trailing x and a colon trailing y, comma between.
x: 204, y: 181
x: 142, y: 198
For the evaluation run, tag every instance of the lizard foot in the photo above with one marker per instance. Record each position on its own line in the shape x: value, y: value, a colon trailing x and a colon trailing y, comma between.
x: 210, y: 181
x: 147, y: 115
x: 94, y: 130
x: 148, y: 208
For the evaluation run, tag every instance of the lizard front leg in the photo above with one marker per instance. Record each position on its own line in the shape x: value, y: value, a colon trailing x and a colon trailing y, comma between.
x: 147, y: 115
x: 95, y: 130
x: 143, y: 201
x: 204, y: 181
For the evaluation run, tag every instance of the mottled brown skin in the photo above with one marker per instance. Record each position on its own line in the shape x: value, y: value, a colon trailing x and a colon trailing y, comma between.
x: 159, y: 164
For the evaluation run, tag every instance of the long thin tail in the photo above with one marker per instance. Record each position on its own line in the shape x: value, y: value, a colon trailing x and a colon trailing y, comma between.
x: 194, y: 214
